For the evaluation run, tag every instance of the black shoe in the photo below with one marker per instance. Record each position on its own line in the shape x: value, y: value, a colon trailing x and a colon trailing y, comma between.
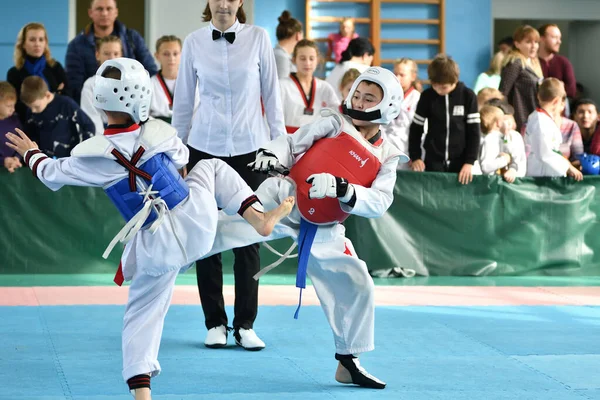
x: 358, y: 374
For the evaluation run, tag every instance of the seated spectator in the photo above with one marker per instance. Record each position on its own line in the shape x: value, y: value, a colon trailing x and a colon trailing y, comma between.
x: 303, y: 96
x: 586, y: 116
x: 452, y: 142
x: 32, y: 58
x: 397, y: 131
x: 8, y: 122
x: 288, y: 33
x: 107, y: 48
x: 358, y: 55
x: 543, y: 138
x: 502, y: 151
x: 81, y: 52
x: 337, y: 43
x: 506, y: 44
x: 491, y: 77
x: 521, y: 74
x: 55, y: 122
x: 487, y: 94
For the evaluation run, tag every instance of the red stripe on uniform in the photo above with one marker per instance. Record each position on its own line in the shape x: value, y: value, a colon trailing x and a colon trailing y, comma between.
x: 291, y: 129
x: 114, y: 131
x: 35, y: 166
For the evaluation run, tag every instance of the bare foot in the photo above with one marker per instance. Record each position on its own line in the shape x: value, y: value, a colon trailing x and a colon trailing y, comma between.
x: 142, y: 394
x: 264, y: 223
x: 342, y: 375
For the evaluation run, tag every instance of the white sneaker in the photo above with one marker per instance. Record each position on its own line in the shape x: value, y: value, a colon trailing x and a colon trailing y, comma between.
x: 248, y: 339
x: 216, y: 337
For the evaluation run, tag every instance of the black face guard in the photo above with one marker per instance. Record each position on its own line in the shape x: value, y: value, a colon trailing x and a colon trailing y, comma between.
x: 361, y: 115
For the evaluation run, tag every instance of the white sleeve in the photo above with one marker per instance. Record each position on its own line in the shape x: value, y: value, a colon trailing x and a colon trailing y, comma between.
x: 185, y: 87
x: 489, y: 159
x: 177, y: 152
x: 287, y: 147
x: 373, y: 202
x: 87, y: 105
x: 269, y: 88
x: 73, y: 171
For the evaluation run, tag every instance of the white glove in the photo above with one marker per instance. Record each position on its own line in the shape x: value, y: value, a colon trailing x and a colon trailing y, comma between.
x: 265, y: 162
x: 327, y: 185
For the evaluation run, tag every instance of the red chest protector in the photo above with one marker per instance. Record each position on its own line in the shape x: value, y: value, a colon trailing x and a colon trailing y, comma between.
x: 343, y: 156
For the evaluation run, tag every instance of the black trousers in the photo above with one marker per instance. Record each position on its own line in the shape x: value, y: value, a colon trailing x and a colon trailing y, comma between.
x: 209, y: 271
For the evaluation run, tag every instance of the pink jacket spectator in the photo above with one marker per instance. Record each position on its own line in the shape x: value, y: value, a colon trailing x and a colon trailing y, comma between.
x: 338, y: 43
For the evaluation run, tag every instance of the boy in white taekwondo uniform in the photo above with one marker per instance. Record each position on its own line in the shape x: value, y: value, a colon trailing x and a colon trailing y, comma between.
x: 171, y: 221
x: 346, y: 168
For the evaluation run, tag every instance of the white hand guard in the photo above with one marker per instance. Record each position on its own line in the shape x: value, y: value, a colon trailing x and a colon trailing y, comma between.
x: 327, y: 185
x: 265, y: 162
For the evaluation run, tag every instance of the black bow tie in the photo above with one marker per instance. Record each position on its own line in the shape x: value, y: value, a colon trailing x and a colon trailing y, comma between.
x: 229, y: 36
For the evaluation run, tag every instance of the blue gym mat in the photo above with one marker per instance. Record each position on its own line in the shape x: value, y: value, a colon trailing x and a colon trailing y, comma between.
x: 423, y: 353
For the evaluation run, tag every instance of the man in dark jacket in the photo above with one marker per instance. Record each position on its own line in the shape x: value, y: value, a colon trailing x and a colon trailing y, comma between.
x: 81, y: 54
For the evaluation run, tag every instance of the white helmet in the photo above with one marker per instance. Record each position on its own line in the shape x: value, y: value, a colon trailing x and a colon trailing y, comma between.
x: 389, y: 107
x: 131, y: 94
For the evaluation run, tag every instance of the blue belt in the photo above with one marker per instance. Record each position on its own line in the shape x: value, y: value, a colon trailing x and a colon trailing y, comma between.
x: 308, y: 230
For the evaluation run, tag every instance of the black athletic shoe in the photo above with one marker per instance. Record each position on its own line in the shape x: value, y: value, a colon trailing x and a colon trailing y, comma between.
x: 359, y: 375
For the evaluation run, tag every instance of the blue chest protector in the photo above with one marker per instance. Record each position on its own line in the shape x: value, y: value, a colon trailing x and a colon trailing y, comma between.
x: 171, y: 188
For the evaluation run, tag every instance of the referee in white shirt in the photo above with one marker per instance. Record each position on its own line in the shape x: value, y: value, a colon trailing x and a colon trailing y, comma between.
x: 233, y: 66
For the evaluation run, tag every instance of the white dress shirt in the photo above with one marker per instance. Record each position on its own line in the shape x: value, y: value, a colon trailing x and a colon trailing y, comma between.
x: 232, y: 79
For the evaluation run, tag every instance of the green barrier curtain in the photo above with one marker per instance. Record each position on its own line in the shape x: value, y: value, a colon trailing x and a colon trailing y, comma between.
x: 436, y: 226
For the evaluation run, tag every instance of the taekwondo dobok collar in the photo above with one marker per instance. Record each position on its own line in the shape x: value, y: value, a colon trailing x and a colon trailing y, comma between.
x: 120, y: 128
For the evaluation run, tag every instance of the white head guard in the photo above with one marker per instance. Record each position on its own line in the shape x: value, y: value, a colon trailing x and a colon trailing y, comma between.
x: 131, y: 94
x: 389, y: 107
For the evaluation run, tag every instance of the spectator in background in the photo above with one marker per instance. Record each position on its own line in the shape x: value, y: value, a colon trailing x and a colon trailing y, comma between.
x: 303, y: 96
x: 168, y: 54
x: 396, y: 131
x: 347, y: 82
x: 338, y: 42
x: 289, y: 33
x: 491, y: 77
x: 55, y: 122
x: 506, y: 45
x: 572, y: 144
x: 521, y: 74
x: 487, y: 94
x: 586, y: 116
x: 358, y: 55
x: 8, y: 122
x: 543, y: 137
x: 553, y: 64
x: 32, y: 58
x: 450, y: 107
x: 232, y: 66
x: 81, y: 52
x: 107, y: 48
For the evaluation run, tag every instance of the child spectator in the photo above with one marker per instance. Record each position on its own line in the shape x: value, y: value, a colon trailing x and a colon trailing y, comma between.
x: 358, y: 55
x: 512, y: 139
x: 338, y: 42
x: 486, y: 94
x: 543, y: 137
x: 55, y: 122
x: 572, y: 145
x: 498, y: 154
x: 288, y: 33
x: 168, y: 54
x: 586, y: 116
x: 8, y: 122
x: 304, y: 96
x: 452, y: 142
x: 491, y: 77
x: 107, y: 48
x: 396, y: 132
x: 347, y: 82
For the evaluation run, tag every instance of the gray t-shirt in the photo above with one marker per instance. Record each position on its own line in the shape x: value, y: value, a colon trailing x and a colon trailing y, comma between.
x: 283, y: 59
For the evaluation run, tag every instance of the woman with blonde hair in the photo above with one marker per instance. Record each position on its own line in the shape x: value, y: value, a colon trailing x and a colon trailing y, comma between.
x: 32, y: 57
x: 522, y: 73
x: 491, y: 77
